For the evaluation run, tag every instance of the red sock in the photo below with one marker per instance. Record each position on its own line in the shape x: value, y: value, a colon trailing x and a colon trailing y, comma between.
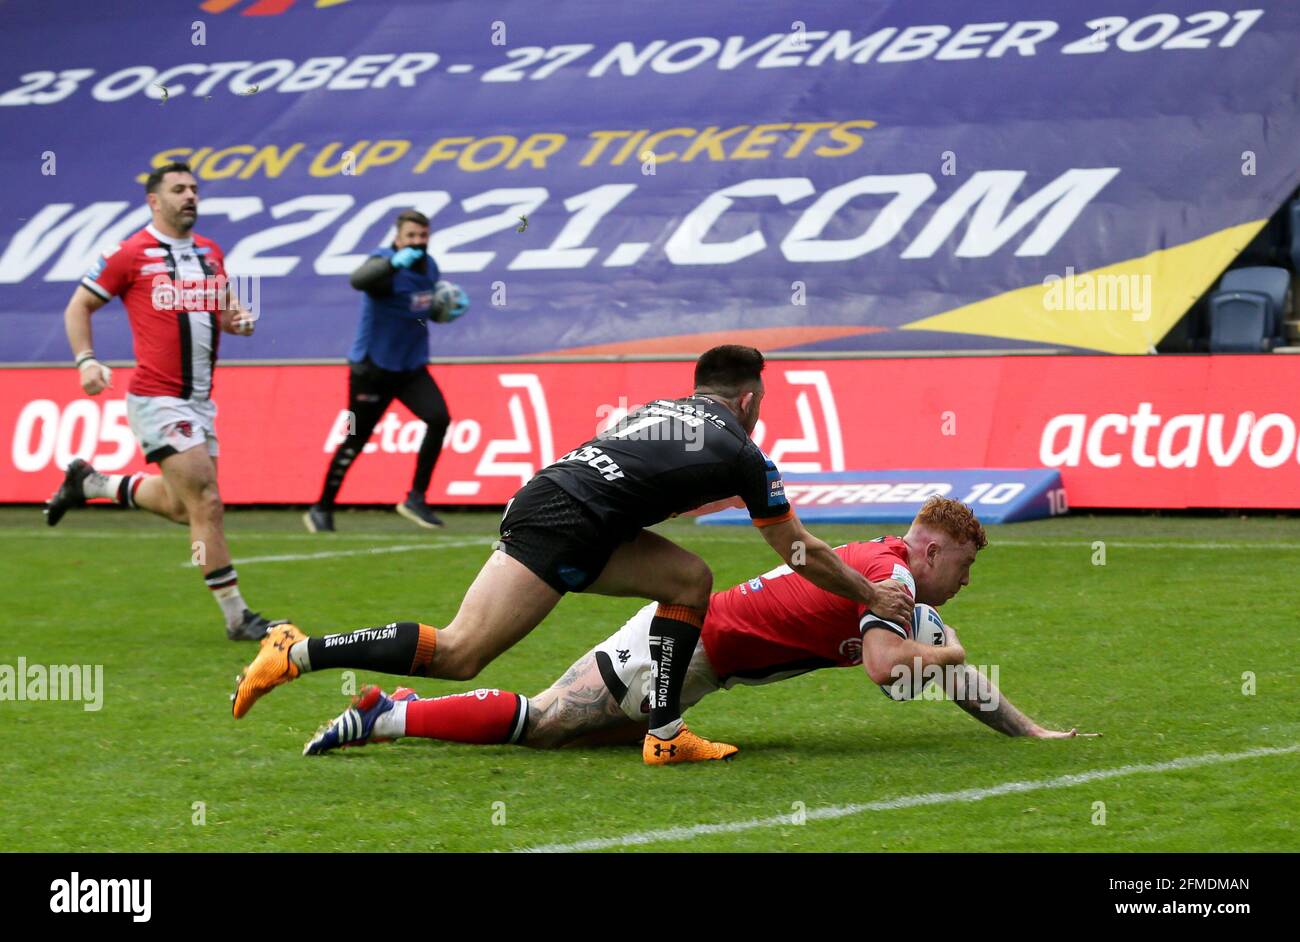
x: 484, y: 717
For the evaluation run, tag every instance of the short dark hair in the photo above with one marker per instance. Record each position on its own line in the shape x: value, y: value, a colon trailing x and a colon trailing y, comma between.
x: 728, y: 369
x: 155, y: 179
x: 412, y: 215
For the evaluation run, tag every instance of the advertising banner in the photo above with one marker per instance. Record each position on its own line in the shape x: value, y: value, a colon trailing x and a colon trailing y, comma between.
x: 997, y: 495
x: 603, y: 178
x: 1171, y: 432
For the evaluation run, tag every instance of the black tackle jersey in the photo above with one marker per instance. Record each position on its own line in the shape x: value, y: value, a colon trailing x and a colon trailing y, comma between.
x: 668, y: 457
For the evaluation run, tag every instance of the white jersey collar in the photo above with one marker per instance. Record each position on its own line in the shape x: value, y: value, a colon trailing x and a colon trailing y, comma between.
x: 169, y: 240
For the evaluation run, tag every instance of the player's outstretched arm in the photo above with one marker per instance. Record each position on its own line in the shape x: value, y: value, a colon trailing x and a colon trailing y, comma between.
x: 375, y: 274
x: 819, y: 564
x: 980, y: 697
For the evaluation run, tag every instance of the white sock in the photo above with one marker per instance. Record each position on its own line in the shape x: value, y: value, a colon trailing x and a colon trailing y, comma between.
x: 102, y: 485
x: 224, y: 584
x: 668, y: 730
x: 391, y: 725
x: 232, y: 605
x: 299, y: 656
x: 111, y: 486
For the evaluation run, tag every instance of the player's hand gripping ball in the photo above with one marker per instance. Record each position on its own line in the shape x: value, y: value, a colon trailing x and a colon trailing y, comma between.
x: 449, y: 302
x: 927, y: 628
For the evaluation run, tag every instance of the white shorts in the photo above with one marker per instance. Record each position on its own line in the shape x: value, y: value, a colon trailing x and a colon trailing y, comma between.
x: 165, y: 425
x: 624, y: 659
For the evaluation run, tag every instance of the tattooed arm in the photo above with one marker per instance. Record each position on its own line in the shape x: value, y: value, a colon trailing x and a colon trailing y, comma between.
x: 980, y: 697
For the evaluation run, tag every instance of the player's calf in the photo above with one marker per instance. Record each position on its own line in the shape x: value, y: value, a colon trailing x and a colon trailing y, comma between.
x: 695, y: 584
x: 458, y: 657
x: 203, y: 507
x: 155, y: 496
x: 402, y: 647
x: 674, y: 632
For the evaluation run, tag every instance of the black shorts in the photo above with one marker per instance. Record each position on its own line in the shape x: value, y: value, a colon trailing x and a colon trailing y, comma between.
x: 557, y: 538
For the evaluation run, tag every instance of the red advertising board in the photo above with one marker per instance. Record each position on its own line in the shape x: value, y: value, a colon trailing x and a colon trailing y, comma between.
x: 1166, y: 432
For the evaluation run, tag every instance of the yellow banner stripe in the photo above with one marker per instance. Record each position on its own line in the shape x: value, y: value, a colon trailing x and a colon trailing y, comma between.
x: 1122, y: 308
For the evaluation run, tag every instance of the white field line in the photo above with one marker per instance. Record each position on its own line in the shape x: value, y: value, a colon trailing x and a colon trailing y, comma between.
x: 832, y: 812
x: 236, y: 537
x: 179, y: 533
x: 372, y: 551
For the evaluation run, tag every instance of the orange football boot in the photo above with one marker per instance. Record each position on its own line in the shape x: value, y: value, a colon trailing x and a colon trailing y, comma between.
x: 269, y: 669
x: 684, y: 747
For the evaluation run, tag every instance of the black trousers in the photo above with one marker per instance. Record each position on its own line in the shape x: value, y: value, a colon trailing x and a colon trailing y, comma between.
x: 370, y: 392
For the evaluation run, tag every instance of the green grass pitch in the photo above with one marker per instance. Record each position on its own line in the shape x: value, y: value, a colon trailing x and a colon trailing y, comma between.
x: 1149, y: 649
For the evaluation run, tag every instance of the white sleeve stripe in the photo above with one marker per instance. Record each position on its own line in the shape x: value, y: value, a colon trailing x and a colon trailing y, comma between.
x: 869, y: 620
x: 93, y: 286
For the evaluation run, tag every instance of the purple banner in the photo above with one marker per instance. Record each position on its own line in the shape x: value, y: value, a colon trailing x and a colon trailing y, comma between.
x: 610, y: 179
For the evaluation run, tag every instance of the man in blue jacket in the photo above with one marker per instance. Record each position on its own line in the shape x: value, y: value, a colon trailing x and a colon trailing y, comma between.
x: 389, y: 360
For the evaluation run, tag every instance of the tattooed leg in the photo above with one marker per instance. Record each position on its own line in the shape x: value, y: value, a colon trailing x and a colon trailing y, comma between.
x: 578, y: 709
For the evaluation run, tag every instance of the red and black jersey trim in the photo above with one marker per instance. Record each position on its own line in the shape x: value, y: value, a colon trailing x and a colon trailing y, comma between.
x: 213, y: 322
x: 183, y: 331
x: 187, y: 353
x: 872, y: 620
x: 212, y: 352
x: 94, y: 288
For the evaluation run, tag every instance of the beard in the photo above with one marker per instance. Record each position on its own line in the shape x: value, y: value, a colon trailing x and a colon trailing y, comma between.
x: 183, y: 221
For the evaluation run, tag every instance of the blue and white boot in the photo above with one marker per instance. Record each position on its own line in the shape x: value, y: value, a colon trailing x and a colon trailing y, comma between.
x: 354, y: 725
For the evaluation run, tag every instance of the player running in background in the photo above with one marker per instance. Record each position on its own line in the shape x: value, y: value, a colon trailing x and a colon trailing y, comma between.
x: 770, y: 628
x: 389, y: 360
x: 579, y: 526
x: 173, y: 285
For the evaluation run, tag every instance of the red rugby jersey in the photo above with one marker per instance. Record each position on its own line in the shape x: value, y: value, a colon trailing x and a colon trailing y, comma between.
x: 779, y: 624
x: 172, y: 290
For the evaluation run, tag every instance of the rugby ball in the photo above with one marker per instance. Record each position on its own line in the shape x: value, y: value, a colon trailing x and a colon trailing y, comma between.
x: 447, y: 296
x: 927, y: 628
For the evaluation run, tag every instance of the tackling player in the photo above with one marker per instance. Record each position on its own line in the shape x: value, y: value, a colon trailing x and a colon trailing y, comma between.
x: 770, y: 628
x: 579, y: 526
x: 173, y: 285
